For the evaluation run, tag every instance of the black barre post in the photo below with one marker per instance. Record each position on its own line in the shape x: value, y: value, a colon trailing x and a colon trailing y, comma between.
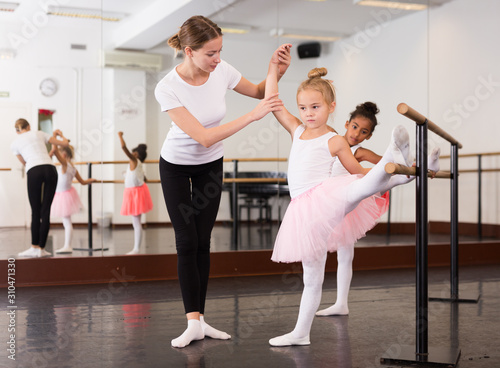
x: 90, y: 249
x: 89, y: 165
x: 479, y: 196
x: 454, y: 222
x: 422, y: 244
x: 235, y: 205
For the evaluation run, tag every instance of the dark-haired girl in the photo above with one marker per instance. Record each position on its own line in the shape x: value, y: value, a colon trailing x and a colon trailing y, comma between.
x: 136, y: 196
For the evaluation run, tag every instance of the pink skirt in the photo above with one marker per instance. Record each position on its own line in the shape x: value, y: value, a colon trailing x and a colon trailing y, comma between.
x: 66, y: 203
x: 136, y: 201
x: 315, y: 222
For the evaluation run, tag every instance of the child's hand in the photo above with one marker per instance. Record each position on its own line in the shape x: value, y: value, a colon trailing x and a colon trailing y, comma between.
x: 120, y: 134
x: 284, y: 58
x: 265, y: 106
x: 91, y: 180
x: 56, y: 133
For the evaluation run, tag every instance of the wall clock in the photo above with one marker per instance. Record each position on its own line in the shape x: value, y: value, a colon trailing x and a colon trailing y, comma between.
x: 48, y: 87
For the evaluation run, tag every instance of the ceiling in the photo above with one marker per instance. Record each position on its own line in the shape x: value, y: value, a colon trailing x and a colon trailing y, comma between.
x: 149, y: 23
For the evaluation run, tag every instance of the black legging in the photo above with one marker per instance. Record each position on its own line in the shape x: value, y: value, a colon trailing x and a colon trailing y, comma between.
x: 42, y: 183
x: 192, y: 194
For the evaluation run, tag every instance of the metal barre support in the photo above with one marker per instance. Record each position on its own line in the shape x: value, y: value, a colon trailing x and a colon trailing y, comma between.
x: 421, y: 353
x: 422, y: 344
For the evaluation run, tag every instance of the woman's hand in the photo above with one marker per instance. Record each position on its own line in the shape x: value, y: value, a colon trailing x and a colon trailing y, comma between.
x: 265, y: 106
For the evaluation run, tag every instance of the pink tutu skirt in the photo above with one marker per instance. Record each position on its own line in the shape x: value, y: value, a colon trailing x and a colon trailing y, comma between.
x: 315, y: 222
x: 66, y: 203
x: 136, y: 201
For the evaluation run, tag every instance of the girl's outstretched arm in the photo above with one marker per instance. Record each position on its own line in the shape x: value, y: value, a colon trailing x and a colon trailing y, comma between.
x: 363, y: 154
x: 132, y: 158
x: 84, y: 181
x: 339, y: 147
x: 287, y: 120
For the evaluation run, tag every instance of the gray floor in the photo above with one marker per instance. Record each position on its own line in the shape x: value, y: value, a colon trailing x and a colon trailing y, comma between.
x: 131, y: 324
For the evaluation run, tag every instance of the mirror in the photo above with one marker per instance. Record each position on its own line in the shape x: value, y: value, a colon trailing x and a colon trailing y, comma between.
x: 92, y: 103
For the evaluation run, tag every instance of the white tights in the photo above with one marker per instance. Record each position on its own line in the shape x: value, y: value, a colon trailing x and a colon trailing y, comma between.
x: 345, y: 255
x: 314, y: 272
x: 68, y: 235
x: 136, y: 223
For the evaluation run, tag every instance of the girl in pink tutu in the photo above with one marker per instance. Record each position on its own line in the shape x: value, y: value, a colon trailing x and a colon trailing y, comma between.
x: 66, y: 200
x: 136, y: 196
x: 320, y: 202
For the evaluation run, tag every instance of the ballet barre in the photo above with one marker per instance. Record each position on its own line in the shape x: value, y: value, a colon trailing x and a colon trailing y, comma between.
x: 421, y: 353
x: 5, y: 169
x: 234, y: 182
x: 479, y: 172
x: 393, y: 168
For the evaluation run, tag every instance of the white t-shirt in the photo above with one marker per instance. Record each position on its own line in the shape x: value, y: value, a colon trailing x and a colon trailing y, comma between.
x: 31, y: 146
x: 310, y: 162
x: 206, y: 103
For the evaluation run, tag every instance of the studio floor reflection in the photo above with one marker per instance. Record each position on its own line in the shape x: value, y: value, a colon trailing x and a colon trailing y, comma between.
x: 131, y: 324
x: 160, y: 240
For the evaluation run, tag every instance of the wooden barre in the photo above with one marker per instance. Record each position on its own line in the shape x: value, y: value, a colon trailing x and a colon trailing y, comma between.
x: 4, y: 169
x: 392, y: 168
x: 225, y: 180
x: 255, y: 180
x: 420, y: 119
x: 474, y: 155
x: 261, y: 159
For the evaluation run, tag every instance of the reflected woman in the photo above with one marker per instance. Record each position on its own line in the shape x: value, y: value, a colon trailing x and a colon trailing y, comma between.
x: 31, y: 150
x: 193, y: 95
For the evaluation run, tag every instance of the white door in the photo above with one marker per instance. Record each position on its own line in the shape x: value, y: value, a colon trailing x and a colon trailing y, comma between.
x: 14, y: 205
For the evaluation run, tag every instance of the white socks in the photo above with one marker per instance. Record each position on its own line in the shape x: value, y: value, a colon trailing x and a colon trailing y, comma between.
x: 209, y: 331
x: 136, y: 223
x: 314, y: 272
x: 377, y: 180
x: 345, y: 255
x: 433, y: 160
x: 193, y: 332
x: 197, y: 330
x: 68, y: 235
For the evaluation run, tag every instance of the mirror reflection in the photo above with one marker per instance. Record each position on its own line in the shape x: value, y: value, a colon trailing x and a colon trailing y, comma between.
x: 90, y: 69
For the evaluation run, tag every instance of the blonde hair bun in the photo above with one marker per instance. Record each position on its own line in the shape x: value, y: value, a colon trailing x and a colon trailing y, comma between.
x: 317, y: 73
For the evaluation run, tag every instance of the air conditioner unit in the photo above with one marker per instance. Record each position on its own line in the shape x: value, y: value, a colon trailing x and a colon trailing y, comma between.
x: 132, y: 60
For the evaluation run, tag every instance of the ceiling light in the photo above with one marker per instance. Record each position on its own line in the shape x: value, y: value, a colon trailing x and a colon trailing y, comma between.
x: 85, y: 13
x: 7, y: 54
x: 8, y: 7
x: 234, y: 28
x: 310, y: 37
x: 403, y: 5
x: 303, y: 36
